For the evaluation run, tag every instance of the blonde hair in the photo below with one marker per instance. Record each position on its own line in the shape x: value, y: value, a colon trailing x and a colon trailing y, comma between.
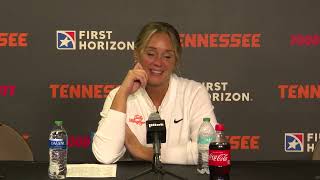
x: 158, y: 27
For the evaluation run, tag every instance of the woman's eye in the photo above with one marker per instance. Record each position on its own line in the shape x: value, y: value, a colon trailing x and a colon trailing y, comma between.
x: 168, y: 56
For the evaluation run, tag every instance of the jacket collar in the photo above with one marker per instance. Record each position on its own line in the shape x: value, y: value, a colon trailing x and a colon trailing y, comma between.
x: 168, y: 98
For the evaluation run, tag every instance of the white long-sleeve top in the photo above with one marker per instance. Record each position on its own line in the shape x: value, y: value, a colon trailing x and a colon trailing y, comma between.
x: 183, y: 108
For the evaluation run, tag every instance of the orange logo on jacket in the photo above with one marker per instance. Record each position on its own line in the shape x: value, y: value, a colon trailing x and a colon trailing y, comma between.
x: 137, y: 119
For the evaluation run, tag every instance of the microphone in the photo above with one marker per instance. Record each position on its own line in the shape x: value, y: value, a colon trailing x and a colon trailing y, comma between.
x: 156, y: 132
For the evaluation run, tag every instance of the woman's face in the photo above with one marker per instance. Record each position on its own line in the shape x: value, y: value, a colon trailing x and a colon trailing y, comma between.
x: 158, y: 59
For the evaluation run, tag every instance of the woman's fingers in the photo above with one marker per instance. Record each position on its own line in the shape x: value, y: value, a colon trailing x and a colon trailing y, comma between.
x: 139, y: 66
x: 135, y: 78
x: 141, y: 76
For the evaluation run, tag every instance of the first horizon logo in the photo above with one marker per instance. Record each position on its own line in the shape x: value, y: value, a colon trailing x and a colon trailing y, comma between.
x: 66, y: 40
x: 294, y: 142
x: 90, y: 40
x: 219, y: 92
x: 300, y: 142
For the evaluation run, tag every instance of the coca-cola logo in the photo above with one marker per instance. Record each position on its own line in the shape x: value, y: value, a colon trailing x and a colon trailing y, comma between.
x: 219, y: 157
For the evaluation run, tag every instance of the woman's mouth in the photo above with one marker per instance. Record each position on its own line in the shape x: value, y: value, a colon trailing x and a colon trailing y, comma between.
x: 155, y: 72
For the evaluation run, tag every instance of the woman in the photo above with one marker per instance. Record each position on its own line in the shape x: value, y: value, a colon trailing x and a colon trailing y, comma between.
x: 152, y: 86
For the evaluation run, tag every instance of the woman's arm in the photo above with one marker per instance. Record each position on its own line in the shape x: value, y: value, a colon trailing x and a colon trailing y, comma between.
x: 108, y: 142
x: 110, y: 138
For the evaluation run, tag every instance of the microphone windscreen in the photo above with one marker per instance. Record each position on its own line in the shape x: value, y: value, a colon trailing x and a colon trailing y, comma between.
x: 154, y: 116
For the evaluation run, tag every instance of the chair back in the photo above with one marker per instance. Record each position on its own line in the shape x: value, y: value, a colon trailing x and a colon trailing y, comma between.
x: 13, y: 147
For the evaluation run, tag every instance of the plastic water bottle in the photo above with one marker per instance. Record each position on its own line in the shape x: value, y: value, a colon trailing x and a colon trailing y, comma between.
x: 205, y: 135
x: 58, y: 152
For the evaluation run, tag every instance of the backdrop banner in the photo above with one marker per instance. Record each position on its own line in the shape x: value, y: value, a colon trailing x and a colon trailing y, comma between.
x: 259, y: 61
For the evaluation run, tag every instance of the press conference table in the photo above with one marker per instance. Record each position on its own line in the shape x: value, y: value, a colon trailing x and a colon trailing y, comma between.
x: 249, y: 170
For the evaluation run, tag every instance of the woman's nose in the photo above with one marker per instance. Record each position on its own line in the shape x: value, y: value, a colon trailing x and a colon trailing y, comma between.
x: 158, y: 60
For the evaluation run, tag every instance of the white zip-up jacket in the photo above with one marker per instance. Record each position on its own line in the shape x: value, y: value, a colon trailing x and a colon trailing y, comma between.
x: 183, y: 108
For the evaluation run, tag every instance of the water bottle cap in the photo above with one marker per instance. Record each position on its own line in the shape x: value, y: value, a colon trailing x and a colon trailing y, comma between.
x: 219, y: 127
x: 206, y: 119
x: 58, y: 123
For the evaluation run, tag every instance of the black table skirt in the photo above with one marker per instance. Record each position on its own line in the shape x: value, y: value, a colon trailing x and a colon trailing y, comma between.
x: 249, y: 170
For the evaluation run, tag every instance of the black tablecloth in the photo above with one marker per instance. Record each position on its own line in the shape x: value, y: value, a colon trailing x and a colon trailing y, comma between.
x: 269, y: 170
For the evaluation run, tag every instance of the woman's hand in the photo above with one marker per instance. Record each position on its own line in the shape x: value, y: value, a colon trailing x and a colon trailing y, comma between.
x: 136, y: 149
x: 136, y: 78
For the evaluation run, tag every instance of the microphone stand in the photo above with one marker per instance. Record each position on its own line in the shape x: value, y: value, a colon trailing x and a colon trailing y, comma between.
x: 157, y: 166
